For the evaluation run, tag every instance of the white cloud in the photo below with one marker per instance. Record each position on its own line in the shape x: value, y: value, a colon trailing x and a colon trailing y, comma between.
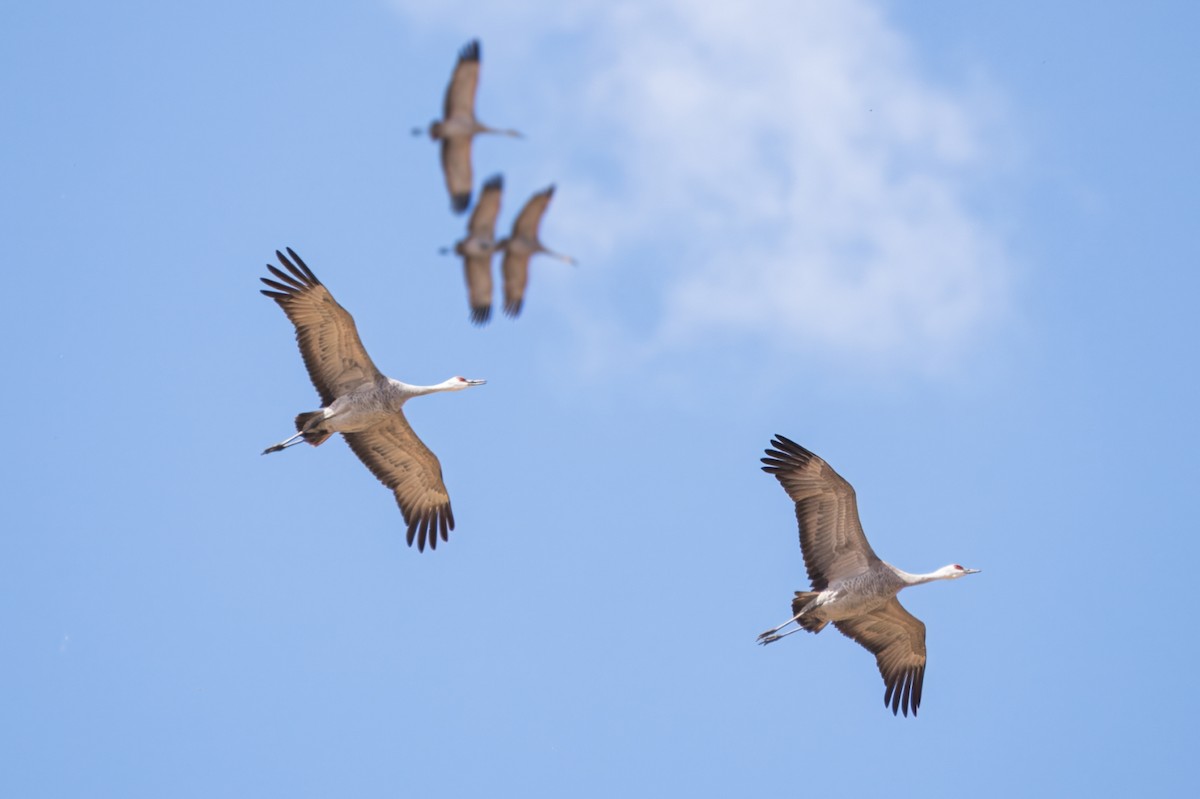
x: 774, y: 171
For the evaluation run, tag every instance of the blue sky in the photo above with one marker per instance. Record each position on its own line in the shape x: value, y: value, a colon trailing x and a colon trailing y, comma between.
x: 949, y: 247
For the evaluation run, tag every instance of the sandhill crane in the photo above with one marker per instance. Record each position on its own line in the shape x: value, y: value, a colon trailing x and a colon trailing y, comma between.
x: 851, y: 586
x: 478, y: 248
x: 520, y: 246
x: 459, y: 125
x: 361, y: 403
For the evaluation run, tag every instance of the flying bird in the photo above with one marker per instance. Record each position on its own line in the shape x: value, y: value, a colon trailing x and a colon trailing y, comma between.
x: 459, y: 125
x: 521, y: 246
x: 360, y: 402
x: 851, y: 586
x: 478, y: 248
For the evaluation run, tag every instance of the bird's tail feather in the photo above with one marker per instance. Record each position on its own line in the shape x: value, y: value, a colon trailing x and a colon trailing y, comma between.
x: 308, y: 425
x: 810, y: 623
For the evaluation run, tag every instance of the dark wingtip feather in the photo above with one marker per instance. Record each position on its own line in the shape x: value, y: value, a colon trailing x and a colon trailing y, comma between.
x: 904, y: 691
x: 469, y: 51
x: 303, y: 267
x: 481, y: 315
x: 284, y: 276
x: 301, y: 276
x: 918, y: 684
x: 279, y: 287
x: 460, y: 202
x: 494, y: 182
x: 425, y: 529
x: 787, y: 445
x: 786, y: 454
x: 513, y: 309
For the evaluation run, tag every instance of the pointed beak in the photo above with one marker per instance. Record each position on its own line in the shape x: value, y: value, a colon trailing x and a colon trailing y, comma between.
x: 476, y: 382
x: 971, y: 571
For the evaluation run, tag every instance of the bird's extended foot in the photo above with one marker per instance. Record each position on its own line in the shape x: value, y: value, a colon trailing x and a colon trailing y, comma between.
x: 768, y: 637
x: 287, y: 442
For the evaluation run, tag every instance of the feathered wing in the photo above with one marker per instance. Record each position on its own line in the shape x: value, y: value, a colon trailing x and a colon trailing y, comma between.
x: 831, y: 537
x: 460, y: 94
x: 456, y: 167
x: 516, y: 277
x: 333, y: 353
x: 530, y: 218
x: 478, y: 272
x: 483, y: 218
x: 897, y: 639
x: 404, y: 464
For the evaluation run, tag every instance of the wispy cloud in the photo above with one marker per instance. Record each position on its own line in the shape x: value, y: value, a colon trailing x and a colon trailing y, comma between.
x: 779, y: 172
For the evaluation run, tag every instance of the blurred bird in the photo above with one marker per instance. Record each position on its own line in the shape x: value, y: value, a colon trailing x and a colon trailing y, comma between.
x: 361, y: 403
x: 520, y: 246
x: 851, y: 586
x: 478, y: 248
x: 459, y: 125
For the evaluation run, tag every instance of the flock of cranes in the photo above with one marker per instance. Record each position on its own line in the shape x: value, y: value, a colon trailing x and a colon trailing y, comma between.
x: 456, y: 130
x: 480, y: 245
x: 851, y: 586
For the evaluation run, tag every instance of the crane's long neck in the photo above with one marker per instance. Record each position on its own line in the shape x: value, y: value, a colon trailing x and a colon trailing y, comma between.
x: 410, y: 390
x: 566, y: 259
x: 918, y: 579
x: 482, y: 128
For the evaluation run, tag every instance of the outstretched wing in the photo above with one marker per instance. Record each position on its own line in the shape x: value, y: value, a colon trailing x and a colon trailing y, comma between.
x: 516, y: 277
x: 404, y: 464
x: 530, y: 218
x: 334, y: 355
x: 831, y: 537
x: 460, y: 94
x: 897, y: 639
x: 483, y: 218
x: 456, y: 167
x: 478, y: 272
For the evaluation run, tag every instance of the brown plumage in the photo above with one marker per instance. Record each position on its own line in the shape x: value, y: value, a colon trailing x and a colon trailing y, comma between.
x: 360, y: 402
x: 897, y: 640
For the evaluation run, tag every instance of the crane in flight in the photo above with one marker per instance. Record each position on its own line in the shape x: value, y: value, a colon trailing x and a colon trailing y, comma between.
x: 520, y: 246
x: 851, y: 586
x: 360, y: 402
x: 478, y: 248
x: 458, y: 126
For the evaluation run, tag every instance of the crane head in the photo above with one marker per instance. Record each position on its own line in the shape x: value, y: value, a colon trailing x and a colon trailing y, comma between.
x: 459, y: 383
x: 954, y: 571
